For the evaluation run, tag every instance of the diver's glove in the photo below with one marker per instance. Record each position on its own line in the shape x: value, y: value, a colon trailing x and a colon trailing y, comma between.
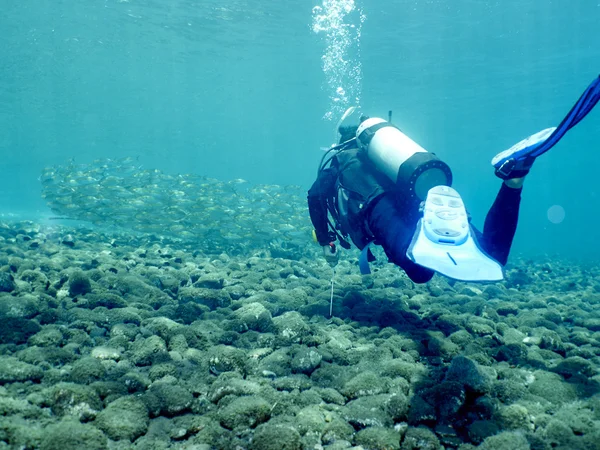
x: 331, y: 254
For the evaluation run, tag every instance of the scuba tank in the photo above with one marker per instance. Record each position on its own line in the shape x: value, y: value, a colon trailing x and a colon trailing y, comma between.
x: 412, y: 169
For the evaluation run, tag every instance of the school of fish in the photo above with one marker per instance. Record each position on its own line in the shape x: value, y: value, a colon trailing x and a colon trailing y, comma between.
x: 214, y: 215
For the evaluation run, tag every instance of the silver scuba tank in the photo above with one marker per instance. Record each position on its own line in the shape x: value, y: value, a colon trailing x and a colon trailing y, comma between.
x: 413, y: 169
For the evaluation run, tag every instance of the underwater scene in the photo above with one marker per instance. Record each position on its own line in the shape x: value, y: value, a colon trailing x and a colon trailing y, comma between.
x: 321, y: 224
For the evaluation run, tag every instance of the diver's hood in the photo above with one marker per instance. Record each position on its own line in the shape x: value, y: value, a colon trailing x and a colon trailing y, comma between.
x: 445, y: 243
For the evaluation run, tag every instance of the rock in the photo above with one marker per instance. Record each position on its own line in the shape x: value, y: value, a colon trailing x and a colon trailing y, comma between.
x: 223, y: 358
x: 49, y: 336
x: 68, y: 241
x: 106, y: 353
x: 13, y: 370
x: 291, y: 327
x: 124, y: 419
x: 552, y: 387
x: 69, y: 399
x: 275, y: 437
x: 514, y: 417
x: 365, y: 383
x: 466, y: 371
x: 147, y: 351
x: 397, y: 406
x: 72, y: 435
x: 227, y: 385
x: 158, y: 371
x: 448, y: 398
x: 254, y: 316
x: 306, y: 360
x: 163, y: 327
x: 575, y: 365
x: 172, y: 399
x: 378, y: 438
x: 87, y: 370
x: 420, y: 438
x: 7, y: 282
x: 244, y: 412
x: 366, y: 412
x: 213, y: 298
x: 506, y: 440
x: 79, y: 284
x: 210, y: 281
x: 26, y: 306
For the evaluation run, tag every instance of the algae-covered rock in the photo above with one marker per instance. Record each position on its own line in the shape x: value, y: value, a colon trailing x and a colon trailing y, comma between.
x: 87, y: 370
x: 397, y: 406
x: 104, y: 353
x: 163, y: 327
x: 244, y: 412
x: 448, y: 397
x: 366, y: 411
x: 575, y: 365
x: 466, y: 371
x: 19, y: 433
x: 552, y: 387
x: 69, y: 399
x: 158, y: 371
x: 254, y: 316
x: 104, y: 299
x: 72, y: 435
x: 275, y: 437
x: 291, y: 327
x: 378, y: 438
x: 25, y: 306
x: 223, y: 358
x: 146, y: 351
x: 330, y: 395
x: 481, y: 429
x: 305, y: 360
x: 279, y: 362
x: 507, y: 440
x: 313, y: 419
x: 19, y: 407
x: 365, y: 383
x: 48, y: 336
x: 124, y: 419
x: 400, y: 368
x: 79, y: 284
x: 12, y: 370
x: 169, y: 399
x: 7, y: 283
x: 514, y: 417
x: 228, y: 385
x: 213, y: 298
x: 420, y: 438
x: 443, y: 347
x: 17, y: 330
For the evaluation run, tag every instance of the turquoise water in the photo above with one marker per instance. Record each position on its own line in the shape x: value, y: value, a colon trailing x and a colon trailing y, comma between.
x: 236, y: 89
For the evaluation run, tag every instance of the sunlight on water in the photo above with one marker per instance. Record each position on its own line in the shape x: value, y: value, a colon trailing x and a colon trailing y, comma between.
x: 339, y: 22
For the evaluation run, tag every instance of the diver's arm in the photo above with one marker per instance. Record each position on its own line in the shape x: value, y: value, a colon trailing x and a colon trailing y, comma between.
x: 322, y: 188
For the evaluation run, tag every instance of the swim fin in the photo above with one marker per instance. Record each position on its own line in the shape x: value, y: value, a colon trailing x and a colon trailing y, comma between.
x: 443, y: 240
x: 517, y: 160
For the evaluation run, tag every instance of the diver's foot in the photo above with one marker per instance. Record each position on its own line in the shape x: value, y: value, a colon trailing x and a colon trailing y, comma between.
x: 517, y: 160
x: 515, y: 183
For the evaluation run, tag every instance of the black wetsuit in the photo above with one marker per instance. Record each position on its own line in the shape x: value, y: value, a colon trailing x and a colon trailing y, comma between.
x: 375, y: 213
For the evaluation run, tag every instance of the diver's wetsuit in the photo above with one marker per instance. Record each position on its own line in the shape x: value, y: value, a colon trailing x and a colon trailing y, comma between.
x: 375, y: 214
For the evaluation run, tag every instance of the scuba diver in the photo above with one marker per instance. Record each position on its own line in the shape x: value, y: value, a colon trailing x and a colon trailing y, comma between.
x: 378, y: 186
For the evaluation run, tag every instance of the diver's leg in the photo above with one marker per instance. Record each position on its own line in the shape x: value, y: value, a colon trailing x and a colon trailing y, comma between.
x: 501, y: 221
x: 394, y: 235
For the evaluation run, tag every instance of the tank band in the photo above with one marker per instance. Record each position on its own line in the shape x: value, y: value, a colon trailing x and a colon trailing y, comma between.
x: 365, y: 137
